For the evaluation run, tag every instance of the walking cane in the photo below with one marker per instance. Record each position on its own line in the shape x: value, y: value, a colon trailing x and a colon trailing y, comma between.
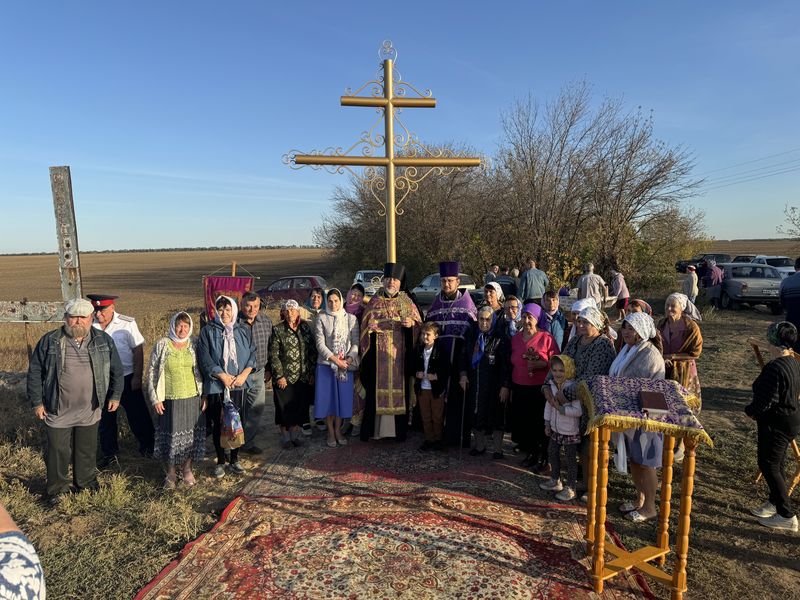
x: 463, y: 416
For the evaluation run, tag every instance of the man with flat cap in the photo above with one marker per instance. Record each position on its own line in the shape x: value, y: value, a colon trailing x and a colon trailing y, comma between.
x: 73, y: 374
x: 455, y: 313
x: 389, y: 327
x: 130, y: 346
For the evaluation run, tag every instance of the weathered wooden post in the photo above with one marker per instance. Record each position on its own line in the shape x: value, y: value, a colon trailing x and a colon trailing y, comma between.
x: 26, y: 311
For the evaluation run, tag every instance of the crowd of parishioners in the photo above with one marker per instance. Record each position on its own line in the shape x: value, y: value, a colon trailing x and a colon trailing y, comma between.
x: 370, y: 368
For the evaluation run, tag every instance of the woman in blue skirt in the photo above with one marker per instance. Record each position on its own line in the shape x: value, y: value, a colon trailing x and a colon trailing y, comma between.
x: 336, y: 334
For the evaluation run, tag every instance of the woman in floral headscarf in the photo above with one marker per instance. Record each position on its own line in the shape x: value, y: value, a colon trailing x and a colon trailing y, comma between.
x: 593, y: 353
x: 226, y: 355
x: 336, y: 334
x: 174, y: 386
x: 683, y: 342
x: 641, y: 358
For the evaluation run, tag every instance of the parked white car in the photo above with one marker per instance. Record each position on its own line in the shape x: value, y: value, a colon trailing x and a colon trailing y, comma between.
x: 784, y: 264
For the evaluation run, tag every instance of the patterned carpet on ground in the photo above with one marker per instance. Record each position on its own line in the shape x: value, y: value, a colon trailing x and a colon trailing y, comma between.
x: 382, y: 520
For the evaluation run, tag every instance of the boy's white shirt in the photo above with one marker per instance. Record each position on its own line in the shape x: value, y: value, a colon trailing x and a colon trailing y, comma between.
x: 426, y: 356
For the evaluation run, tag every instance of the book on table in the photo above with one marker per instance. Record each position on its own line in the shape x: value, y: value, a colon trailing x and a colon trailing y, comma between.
x: 653, y: 404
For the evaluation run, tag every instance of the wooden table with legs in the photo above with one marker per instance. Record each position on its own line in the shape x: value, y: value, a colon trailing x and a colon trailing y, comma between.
x: 612, y: 405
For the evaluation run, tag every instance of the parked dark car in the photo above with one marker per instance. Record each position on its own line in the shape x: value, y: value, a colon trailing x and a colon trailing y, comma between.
x: 430, y: 286
x: 681, y: 265
x: 296, y: 287
x: 750, y: 284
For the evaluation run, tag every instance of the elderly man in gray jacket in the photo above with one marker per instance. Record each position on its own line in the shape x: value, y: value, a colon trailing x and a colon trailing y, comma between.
x: 74, y: 371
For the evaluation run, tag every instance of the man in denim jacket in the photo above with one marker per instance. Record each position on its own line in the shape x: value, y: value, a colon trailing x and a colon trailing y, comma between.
x: 73, y: 373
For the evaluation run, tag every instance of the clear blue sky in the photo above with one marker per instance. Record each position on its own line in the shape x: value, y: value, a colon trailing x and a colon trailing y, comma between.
x: 174, y: 116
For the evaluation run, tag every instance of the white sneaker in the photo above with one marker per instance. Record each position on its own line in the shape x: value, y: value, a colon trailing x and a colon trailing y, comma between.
x: 306, y: 428
x: 219, y: 471
x: 764, y: 511
x: 566, y: 494
x: 778, y: 522
x: 552, y: 485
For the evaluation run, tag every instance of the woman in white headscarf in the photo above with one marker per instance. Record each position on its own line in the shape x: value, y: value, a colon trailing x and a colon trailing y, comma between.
x: 641, y: 358
x: 574, y: 311
x: 174, y: 387
x: 226, y: 354
x: 683, y: 342
x: 336, y: 335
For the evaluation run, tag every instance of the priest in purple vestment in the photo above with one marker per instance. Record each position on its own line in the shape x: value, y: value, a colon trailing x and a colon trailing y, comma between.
x: 455, y: 313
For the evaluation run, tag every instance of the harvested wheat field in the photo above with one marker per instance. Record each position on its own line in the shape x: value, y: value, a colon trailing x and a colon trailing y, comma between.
x: 111, y: 543
x: 152, y: 285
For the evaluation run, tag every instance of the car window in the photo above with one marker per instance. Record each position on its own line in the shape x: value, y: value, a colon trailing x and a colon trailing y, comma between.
x: 465, y: 280
x: 747, y: 271
x: 772, y: 273
x: 435, y: 281
x: 426, y: 282
x: 302, y: 283
x: 779, y: 262
x: 281, y: 284
x: 322, y: 283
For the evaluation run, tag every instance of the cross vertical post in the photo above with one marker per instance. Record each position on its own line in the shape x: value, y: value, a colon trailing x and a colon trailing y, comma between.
x: 388, y: 93
x: 403, y: 150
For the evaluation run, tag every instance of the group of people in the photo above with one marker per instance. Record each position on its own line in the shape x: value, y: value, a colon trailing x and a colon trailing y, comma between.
x: 468, y: 375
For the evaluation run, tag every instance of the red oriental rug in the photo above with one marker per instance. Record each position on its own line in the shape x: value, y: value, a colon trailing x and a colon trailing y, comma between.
x: 417, y: 545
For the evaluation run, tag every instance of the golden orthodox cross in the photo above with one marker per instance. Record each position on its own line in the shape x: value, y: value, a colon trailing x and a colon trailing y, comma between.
x: 404, y: 153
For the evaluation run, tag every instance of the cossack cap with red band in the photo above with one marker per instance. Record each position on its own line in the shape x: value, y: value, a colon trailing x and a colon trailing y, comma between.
x: 101, y: 300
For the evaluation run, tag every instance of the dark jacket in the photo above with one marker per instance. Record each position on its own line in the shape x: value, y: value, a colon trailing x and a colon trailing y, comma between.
x: 437, y: 364
x: 555, y: 326
x: 47, y: 361
x: 210, y: 350
x: 494, y: 369
x: 775, y: 393
x: 292, y: 353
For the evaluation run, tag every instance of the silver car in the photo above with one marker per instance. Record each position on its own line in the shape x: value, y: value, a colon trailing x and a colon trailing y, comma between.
x: 371, y: 279
x: 426, y: 291
x: 751, y: 284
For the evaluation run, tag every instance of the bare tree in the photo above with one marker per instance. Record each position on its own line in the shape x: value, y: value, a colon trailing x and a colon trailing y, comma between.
x: 570, y: 182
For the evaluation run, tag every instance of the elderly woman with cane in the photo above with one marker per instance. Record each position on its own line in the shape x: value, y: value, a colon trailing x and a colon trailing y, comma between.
x: 776, y: 410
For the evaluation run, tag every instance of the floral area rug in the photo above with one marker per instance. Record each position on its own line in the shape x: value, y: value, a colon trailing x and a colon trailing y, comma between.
x: 387, y: 466
x: 400, y: 546
x: 383, y: 520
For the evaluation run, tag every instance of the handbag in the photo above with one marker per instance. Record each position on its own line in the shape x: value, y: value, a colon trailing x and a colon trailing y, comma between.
x: 232, y: 434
